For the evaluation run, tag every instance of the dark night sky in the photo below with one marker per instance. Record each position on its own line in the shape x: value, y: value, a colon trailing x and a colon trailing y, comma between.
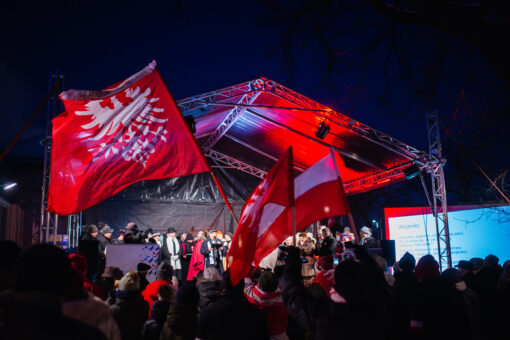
x: 199, y: 46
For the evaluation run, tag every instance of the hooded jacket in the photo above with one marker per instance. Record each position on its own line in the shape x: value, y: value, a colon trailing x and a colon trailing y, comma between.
x: 94, y: 312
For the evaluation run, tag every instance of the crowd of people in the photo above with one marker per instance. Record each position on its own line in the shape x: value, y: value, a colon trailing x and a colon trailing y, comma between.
x: 324, y: 287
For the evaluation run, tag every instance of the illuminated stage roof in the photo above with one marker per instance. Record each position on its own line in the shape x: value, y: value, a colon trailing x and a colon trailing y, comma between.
x: 248, y: 127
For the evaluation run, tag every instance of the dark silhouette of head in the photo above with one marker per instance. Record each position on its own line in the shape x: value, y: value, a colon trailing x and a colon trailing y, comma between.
x: 44, y: 268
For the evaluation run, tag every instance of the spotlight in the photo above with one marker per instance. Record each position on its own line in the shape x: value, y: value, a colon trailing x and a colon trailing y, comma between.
x: 322, y: 130
x: 9, y: 186
x: 411, y: 171
x: 190, y: 120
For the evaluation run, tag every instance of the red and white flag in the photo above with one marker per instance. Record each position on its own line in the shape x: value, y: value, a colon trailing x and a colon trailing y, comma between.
x: 107, y: 140
x: 319, y: 193
x: 274, y: 193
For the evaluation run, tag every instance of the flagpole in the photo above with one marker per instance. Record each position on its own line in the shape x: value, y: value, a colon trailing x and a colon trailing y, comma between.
x: 202, y: 153
x: 349, y: 215
x: 224, y: 197
x: 291, y: 193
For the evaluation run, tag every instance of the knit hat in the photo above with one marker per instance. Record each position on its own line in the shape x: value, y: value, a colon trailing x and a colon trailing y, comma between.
x: 78, y: 262
x: 92, y: 229
x: 129, y: 282
x: 140, y: 267
x: 44, y: 268
x: 189, y: 237
x: 325, y: 262
x: 268, y: 282
x: 466, y: 265
x: 114, y: 272
x: 366, y: 230
x: 131, y: 226
x: 477, y: 262
x: 427, y: 267
x: 188, y: 295
x: 493, y: 260
x: 407, y: 262
x: 451, y: 275
x: 106, y: 229
x: 165, y: 272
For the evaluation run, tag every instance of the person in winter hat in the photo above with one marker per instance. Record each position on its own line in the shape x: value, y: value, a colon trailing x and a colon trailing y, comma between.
x: 44, y: 279
x: 130, y: 310
x: 152, y: 327
x: 210, y: 288
x: 79, y: 263
x: 163, y: 277
x: 427, y: 267
x: 266, y: 296
x: 142, y: 269
x: 181, y: 321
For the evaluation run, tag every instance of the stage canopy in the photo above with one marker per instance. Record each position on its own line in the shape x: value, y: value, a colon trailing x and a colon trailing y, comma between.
x: 243, y: 129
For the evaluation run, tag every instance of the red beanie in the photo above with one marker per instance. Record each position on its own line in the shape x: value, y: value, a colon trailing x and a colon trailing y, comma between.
x: 325, y: 262
x: 426, y: 268
x: 78, y: 262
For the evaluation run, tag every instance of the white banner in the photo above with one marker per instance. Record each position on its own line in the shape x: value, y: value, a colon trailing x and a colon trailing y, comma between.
x: 127, y: 256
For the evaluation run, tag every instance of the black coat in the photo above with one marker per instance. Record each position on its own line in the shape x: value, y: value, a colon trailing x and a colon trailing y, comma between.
x: 405, y: 290
x: 152, y: 327
x: 130, y: 312
x: 103, y: 242
x: 232, y: 317
x: 441, y: 309
x: 326, y: 319
x: 27, y: 316
x: 368, y: 242
x: 327, y: 247
x: 210, y: 292
x: 212, y: 257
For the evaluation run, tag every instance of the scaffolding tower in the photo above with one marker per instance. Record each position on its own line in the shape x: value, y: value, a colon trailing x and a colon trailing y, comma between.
x: 439, y: 203
x: 48, y: 229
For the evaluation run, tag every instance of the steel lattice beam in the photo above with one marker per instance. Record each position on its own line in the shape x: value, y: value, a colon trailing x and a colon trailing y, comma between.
x: 232, y: 116
x: 219, y: 97
x: 439, y: 203
x: 235, y: 164
x: 375, y: 181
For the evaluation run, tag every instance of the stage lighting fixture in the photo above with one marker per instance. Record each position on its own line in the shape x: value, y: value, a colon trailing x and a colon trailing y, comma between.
x: 190, y: 120
x: 322, y: 130
x: 9, y: 186
x: 411, y: 171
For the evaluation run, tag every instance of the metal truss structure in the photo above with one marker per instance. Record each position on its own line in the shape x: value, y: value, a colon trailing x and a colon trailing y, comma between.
x: 232, y: 116
x: 235, y: 164
x: 248, y: 92
x: 220, y: 98
x: 439, y: 203
x: 48, y: 229
x: 431, y: 162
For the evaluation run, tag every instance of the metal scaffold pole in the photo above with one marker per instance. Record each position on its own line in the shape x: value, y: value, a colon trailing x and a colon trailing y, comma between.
x: 48, y: 229
x: 439, y: 202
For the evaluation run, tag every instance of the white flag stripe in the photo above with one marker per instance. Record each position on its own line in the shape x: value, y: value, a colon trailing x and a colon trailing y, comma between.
x: 269, y: 214
x: 321, y: 172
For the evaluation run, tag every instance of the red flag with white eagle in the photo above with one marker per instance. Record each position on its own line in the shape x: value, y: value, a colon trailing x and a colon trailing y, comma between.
x: 319, y: 193
x: 274, y: 193
x: 107, y: 140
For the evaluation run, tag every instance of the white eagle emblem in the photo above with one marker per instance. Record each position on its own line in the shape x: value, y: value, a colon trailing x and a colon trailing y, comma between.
x: 128, y: 124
